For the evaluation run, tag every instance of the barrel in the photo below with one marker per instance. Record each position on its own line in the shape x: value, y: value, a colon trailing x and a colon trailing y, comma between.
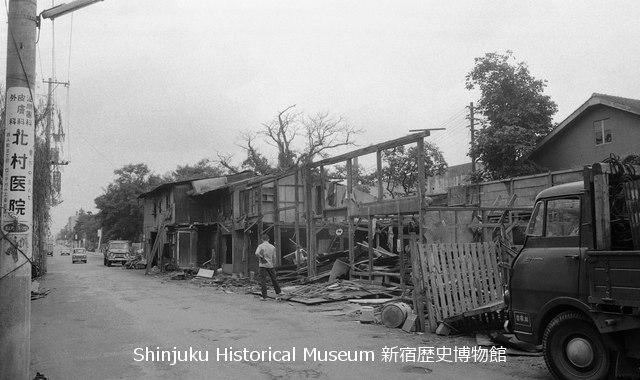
x: 394, y: 314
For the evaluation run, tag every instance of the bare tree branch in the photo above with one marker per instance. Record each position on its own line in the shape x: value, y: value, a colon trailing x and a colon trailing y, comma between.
x: 225, y: 161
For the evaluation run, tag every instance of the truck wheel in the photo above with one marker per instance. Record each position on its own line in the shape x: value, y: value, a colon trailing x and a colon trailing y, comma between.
x: 573, y: 348
x: 104, y: 262
x: 108, y: 263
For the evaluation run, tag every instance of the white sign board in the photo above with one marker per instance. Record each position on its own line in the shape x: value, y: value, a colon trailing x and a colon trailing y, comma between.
x: 16, y: 221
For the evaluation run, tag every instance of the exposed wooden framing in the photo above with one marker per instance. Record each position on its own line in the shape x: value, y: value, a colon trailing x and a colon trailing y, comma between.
x: 247, y: 229
x: 351, y: 229
x: 334, y: 213
x: 266, y: 230
x: 370, y: 248
x: 421, y: 186
x: 311, y: 236
x: 245, y: 252
x: 277, y: 233
x: 294, y: 207
x: 379, y: 176
x: 322, y: 196
x: 407, y: 205
x: 297, y: 217
x: 372, y: 149
x: 260, y: 223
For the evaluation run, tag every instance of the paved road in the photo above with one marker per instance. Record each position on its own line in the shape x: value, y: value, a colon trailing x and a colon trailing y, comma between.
x: 110, y: 323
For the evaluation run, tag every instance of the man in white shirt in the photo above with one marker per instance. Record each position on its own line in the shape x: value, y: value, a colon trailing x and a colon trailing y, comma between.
x: 266, y: 253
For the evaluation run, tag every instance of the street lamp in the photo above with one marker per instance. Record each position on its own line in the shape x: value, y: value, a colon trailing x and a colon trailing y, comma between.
x: 63, y: 8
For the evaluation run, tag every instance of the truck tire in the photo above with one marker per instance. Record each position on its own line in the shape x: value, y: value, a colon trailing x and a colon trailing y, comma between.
x: 108, y: 263
x: 573, y: 348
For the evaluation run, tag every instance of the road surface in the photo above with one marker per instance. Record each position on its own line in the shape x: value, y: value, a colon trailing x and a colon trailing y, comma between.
x: 109, y: 323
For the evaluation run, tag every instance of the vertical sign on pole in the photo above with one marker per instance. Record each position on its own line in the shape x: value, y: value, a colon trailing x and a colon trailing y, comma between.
x: 17, y: 182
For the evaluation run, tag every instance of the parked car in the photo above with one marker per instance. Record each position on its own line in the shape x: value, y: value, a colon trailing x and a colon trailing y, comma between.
x: 79, y: 255
x: 117, y: 251
x: 48, y: 248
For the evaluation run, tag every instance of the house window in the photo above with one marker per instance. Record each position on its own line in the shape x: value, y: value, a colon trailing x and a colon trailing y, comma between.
x: 602, y: 132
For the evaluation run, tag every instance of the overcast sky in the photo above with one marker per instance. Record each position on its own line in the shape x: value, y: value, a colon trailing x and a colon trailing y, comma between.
x: 168, y: 83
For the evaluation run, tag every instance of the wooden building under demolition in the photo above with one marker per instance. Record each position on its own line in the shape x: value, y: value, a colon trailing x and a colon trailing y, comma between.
x: 317, y: 222
x: 218, y: 221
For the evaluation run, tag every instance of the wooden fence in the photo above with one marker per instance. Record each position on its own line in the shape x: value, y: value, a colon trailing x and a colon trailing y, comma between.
x: 458, y: 277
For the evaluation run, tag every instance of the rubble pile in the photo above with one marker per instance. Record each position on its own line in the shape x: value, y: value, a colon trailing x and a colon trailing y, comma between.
x: 317, y: 293
x: 384, y: 262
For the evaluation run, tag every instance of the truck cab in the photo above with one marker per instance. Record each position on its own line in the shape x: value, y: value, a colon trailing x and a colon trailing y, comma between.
x: 117, y: 251
x: 570, y: 291
x: 548, y: 269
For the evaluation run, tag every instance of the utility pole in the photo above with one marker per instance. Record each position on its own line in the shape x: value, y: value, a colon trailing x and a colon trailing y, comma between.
x: 473, y: 136
x: 16, y: 221
x: 16, y: 216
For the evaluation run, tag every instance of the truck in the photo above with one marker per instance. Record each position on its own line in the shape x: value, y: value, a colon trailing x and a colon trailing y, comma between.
x: 117, y: 251
x: 574, y: 286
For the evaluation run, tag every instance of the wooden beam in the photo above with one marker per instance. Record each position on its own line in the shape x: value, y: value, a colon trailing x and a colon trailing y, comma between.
x: 351, y: 229
x: 388, y: 207
x: 409, y: 139
x: 379, y: 174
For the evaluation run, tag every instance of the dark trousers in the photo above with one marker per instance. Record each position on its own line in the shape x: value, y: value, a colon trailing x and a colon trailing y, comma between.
x: 263, y: 280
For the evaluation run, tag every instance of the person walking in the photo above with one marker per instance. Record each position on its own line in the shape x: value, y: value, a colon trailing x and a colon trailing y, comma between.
x: 266, y: 253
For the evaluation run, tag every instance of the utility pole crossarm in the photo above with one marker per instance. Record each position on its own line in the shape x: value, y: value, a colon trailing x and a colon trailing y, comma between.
x: 63, y: 8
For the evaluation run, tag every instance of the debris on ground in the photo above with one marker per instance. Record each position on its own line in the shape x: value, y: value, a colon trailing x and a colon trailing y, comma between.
x: 334, y: 265
x: 488, y: 317
x: 137, y: 262
x: 513, y: 345
x: 313, y: 294
x: 178, y: 276
x: 37, y: 292
x: 206, y: 273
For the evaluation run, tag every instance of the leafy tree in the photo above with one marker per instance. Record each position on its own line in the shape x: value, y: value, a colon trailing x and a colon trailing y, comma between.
x: 516, y: 115
x: 86, y: 227
x: 202, y: 169
x: 400, y: 174
x: 399, y: 171
x: 120, y: 212
x: 363, y: 180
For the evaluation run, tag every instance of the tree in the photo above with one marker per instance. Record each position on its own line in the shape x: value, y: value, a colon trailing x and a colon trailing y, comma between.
x: 202, y: 169
x: 281, y: 132
x: 298, y: 139
x: 86, y: 227
x: 400, y: 174
x: 516, y: 115
x: 120, y: 212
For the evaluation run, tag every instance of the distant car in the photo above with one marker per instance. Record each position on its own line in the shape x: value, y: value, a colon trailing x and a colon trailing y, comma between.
x: 79, y: 255
x: 65, y: 252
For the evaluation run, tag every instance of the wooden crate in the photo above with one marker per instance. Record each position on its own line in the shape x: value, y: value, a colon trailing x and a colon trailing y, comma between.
x: 459, y: 277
